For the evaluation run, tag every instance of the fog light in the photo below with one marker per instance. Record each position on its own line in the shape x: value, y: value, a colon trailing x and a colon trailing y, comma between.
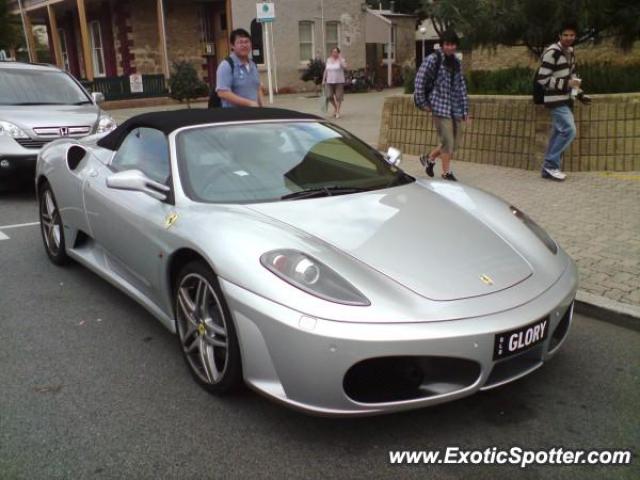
x: 4, y: 164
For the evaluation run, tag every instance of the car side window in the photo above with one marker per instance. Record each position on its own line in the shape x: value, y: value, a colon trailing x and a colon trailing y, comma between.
x: 147, y: 150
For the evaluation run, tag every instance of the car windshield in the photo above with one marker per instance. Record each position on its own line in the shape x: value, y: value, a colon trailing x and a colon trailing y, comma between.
x: 38, y: 87
x: 278, y: 161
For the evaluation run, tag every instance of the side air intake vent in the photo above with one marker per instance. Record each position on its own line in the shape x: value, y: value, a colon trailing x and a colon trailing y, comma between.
x: 75, y: 154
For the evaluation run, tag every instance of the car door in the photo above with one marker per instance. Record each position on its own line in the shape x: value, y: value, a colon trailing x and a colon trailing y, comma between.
x: 129, y: 226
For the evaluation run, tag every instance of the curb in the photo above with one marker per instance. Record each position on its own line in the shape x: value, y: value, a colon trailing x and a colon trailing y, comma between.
x: 607, y: 310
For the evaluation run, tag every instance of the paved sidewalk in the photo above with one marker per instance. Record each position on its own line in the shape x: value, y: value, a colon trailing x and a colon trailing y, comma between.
x: 595, y: 216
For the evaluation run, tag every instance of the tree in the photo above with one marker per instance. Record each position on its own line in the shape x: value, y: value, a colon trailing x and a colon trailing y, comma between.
x: 184, y: 84
x: 536, y: 23
x: 10, y: 28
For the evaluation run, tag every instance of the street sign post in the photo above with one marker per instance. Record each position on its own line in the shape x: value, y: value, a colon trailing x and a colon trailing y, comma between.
x: 266, y: 13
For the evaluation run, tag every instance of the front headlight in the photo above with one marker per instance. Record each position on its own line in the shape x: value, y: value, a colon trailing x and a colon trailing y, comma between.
x: 106, y: 124
x: 308, y: 274
x: 11, y: 130
x: 536, y: 229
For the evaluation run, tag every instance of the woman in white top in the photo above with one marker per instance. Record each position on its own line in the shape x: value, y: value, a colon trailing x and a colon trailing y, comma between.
x: 334, y: 80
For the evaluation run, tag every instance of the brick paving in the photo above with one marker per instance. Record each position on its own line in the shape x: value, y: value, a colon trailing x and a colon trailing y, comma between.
x: 595, y: 216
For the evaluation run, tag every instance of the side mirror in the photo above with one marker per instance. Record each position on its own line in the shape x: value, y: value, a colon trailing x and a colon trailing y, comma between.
x: 393, y: 156
x: 137, y: 181
x: 98, y: 97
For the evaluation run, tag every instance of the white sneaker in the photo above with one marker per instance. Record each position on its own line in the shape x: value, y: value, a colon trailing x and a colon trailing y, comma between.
x: 555, y: 173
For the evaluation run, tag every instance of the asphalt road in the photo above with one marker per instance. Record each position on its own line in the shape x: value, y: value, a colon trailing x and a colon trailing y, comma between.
x: 91, y: 386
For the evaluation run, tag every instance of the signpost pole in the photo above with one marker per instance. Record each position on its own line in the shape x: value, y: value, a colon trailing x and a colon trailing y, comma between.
x: 268, y: 52
x: 265, y: 15
x: 275, y: 60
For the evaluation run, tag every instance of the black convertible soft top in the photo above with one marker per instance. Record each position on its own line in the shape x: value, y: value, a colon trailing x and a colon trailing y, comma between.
x: 168, y: 121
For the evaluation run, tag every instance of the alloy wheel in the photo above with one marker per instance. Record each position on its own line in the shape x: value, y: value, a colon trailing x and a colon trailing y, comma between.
x: 202, y: 328
x: 51, y: 223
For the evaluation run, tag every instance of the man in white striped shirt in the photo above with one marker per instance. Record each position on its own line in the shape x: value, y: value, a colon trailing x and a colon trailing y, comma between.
x: 558, y: 78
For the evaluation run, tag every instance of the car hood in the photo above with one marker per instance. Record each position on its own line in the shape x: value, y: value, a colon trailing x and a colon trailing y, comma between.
x: 414, y: 235
x: 29, y: 117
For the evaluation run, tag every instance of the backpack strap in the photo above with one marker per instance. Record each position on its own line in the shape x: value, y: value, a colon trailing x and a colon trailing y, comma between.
x: 230, y: 62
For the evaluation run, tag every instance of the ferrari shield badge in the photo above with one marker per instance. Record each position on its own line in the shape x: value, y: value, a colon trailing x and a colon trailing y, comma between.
x: 486, y: 279
x: 170, y: 220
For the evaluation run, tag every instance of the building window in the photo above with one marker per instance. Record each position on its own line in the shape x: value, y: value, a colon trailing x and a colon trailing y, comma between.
x: 332, y: 36
x: 63, y: 49
x: 305, y: 34
x: 97, y: 52
x: 386, y: 55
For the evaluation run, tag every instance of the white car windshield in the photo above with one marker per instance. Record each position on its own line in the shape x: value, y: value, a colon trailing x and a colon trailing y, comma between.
x: 23, y: 87
x: 278, y: 161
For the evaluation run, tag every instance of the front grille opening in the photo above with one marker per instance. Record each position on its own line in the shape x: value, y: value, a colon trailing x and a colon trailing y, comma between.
x: 31, y: 143
x: 394, y: 379
x: 515, y: 367
x: 561, y: 330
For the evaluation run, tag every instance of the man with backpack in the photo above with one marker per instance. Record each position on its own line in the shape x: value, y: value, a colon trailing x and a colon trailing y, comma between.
x: 237, y: 77
x: 560, y: 85
x: 440, y: 88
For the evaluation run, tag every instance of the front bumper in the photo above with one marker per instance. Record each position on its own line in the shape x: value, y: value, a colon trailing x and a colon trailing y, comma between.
x: 304, y: 362
x: 16, y: 161
x: 18, y: 166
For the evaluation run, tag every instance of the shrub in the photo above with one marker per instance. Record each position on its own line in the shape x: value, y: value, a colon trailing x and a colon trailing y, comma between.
x: 409, y: 76
x: 596, y: 77
x: 184, y: 84
x: 314, y: 71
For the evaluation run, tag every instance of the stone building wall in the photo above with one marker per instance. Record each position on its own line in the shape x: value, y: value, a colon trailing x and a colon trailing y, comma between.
x: 405, y: 40
x: 286, y: 40
x: 184, y: 34
x: 144, y: 39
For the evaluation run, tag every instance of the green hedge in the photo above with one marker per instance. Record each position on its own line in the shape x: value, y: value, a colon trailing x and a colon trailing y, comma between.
x: 596, y: 77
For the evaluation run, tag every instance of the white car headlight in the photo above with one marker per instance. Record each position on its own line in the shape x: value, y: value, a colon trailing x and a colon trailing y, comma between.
x: 13, y: 131
x: 308, y: 274
x: 106, y: 124
x: 536, y: 229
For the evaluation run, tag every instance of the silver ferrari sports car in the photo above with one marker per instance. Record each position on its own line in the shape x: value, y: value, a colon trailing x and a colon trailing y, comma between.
x: 289, y: 255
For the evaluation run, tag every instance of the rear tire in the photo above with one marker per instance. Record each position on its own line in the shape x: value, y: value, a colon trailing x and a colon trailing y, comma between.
x: 206, y: 331
x: 51, y: 226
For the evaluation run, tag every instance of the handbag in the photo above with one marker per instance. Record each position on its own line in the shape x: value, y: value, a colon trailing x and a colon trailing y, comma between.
x: 323, y: 100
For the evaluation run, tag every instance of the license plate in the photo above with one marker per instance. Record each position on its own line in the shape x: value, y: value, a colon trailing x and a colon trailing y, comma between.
x: 515, y: 341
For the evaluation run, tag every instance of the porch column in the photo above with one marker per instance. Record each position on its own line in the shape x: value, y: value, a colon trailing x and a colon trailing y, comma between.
x: 53, y: 23
x: 389, y: 45
x: 28, y: 34
x: 86, y: 46
x: 162, y: 29
x: 227, y: 10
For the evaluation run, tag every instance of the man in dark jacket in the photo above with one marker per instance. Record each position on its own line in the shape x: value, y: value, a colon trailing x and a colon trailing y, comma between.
x: 557, y: 75
x: 440, y: 88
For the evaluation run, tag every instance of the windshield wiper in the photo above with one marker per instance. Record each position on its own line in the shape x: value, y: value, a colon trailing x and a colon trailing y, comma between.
x: 400, y: 178
x: 322, y: 192
x: 82, y: 102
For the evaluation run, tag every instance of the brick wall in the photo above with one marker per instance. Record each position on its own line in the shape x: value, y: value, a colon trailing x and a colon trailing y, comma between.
x: 511, y: 131
x: 505, y: 57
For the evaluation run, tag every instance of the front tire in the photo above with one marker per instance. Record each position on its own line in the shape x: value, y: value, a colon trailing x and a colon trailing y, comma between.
x: 206, y: 331
x: 51, y: 226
